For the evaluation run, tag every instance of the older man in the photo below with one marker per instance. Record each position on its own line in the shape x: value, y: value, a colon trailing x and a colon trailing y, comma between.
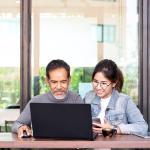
x: 58, y: 79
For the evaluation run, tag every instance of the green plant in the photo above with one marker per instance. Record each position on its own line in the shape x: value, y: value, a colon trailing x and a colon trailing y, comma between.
x: 9, y: 86
x: 81, y: 74
x: 43, y: 86
x: 76, y: 78
x: 130, y: 86
x: 84, y: 74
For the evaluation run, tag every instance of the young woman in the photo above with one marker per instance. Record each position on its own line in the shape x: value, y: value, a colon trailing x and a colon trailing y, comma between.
x: 115, y: 109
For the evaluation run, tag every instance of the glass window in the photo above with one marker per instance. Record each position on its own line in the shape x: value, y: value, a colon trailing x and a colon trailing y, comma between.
x: 82, y: 32
x: 10, y: 53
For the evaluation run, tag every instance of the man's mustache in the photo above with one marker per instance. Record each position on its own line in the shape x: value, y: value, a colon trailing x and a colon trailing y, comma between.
x: 59, y: 91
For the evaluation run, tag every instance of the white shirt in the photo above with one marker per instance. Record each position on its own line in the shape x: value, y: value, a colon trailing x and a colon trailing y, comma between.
x: 104, y: 104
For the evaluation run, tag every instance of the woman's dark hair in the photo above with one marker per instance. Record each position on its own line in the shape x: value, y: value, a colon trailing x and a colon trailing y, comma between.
x: 55, y: 64
x: 111, y: 71
x: 120, y: 80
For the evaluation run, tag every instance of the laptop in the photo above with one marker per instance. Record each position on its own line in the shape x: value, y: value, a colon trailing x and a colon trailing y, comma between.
x: 65, y: 121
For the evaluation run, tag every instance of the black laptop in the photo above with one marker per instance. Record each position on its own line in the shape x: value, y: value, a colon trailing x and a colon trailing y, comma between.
x: 65, y: 121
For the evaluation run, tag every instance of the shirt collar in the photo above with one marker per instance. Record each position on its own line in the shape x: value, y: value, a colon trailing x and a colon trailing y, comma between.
x: 113, y: 99
x: 112, y: 102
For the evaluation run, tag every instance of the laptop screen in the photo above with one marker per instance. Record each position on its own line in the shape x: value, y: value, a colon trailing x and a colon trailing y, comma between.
x: 71, y: 121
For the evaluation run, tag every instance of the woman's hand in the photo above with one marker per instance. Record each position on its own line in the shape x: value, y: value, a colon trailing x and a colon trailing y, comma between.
x: 97, y: 127
x: 108, y: 125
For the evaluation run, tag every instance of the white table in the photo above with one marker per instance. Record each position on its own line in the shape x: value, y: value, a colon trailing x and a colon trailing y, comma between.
x: 9, y: 115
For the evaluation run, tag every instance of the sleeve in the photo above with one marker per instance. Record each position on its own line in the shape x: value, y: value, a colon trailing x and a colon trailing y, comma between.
x: 79, y: 100
x: 136, y: 122
x: 23, y: 119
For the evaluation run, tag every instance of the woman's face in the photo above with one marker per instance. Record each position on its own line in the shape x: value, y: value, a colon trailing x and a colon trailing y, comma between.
x: 102, y: 86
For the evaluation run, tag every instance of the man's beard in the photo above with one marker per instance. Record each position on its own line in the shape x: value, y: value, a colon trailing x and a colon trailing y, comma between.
x: 60, y: 96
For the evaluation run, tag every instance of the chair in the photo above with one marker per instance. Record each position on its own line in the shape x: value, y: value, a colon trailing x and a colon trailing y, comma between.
x: 13, y: 106
x: 8, y: 125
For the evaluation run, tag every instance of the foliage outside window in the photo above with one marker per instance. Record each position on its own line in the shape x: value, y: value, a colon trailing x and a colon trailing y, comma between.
x: 10, y: 88
x: 84, y: 74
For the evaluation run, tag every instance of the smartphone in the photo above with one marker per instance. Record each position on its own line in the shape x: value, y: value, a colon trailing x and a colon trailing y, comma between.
x: 96, y: 122
x: 96, y: 126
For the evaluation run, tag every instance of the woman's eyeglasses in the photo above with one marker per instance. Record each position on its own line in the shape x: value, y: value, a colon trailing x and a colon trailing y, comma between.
x: 102, y: 84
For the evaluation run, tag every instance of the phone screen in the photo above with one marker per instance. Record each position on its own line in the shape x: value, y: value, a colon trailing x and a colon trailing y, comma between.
x: 96, y: 120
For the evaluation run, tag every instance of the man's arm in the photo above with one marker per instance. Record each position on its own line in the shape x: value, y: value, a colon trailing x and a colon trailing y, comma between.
x: 23, y: 122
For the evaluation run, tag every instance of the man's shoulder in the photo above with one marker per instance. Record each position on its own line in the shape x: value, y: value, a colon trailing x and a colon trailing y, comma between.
x: 72, y: 94
x: 74, y: 97
x: 40, y: 98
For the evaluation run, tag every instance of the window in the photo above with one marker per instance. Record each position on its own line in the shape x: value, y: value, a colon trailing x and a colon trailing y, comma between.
x: 106, y: 33
x: 84, y: 32
x: 10, y: 53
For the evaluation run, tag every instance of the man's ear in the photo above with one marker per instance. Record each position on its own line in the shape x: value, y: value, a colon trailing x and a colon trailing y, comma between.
x: 47, y: 81
x: 69, y: 80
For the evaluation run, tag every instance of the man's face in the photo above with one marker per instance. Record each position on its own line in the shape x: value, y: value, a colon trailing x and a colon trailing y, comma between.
x: 59, y: 83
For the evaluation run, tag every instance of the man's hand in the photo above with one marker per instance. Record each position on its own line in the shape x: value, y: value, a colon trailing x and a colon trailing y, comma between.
x: 22, y: 129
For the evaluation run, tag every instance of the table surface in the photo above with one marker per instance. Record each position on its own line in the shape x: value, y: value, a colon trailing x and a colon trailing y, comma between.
x: 9, y: 140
